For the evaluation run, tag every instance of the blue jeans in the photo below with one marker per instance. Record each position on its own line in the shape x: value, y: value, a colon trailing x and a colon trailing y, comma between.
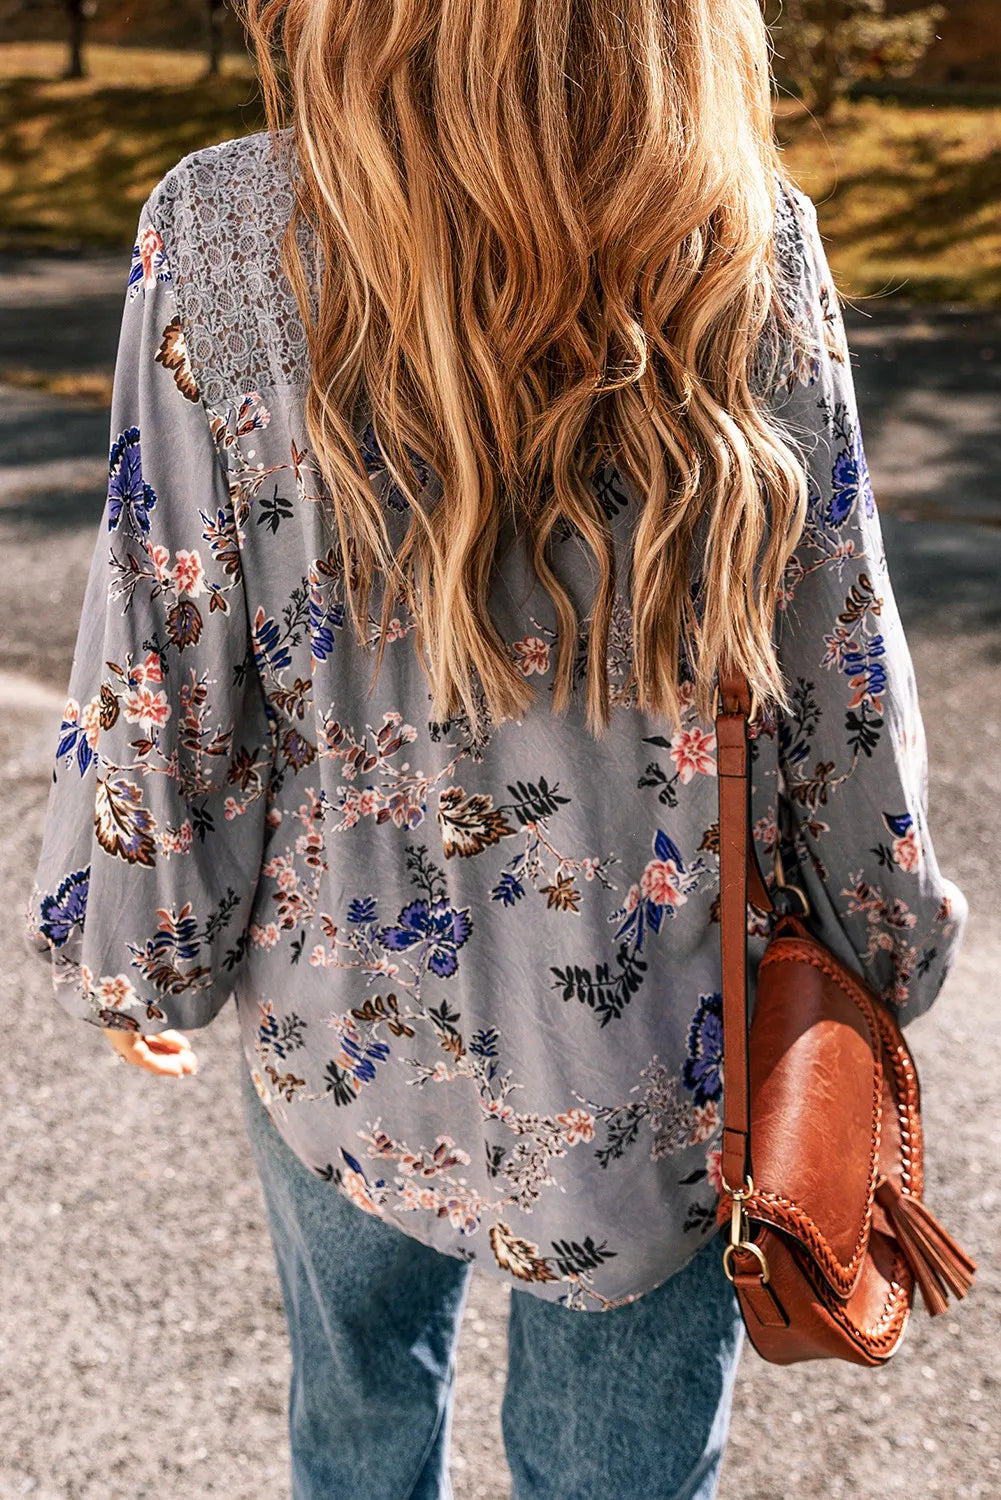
x: 629, y: 1404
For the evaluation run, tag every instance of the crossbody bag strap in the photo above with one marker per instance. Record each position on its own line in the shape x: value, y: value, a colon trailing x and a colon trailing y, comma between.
x: 740, y: 878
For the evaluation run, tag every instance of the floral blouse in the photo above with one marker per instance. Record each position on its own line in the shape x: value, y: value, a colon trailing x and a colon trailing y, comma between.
x: 477, y: 975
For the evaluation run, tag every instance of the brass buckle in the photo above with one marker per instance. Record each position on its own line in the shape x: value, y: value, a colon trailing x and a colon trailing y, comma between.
x: 755, y: 705
x: 740, y: 1228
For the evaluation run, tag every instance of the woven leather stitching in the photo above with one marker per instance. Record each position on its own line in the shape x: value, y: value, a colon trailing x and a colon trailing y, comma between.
x: 844, y: 1275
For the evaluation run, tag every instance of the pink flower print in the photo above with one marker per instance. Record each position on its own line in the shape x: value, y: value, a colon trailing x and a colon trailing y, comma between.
x: 532, y: 655
x: 578, y: 1125
x: 232, y: 809
x: 264, y: 937
x: 161, y: 563
x: 705, y: 1121
x: 660, y: 883
x: 90, y: 721
x: 147, y: 708
x: 714, y: 1169
x: 150, y: 255
x: 115, y: 990
x: 907, y: 851
x: 189, y: 575
x: 149, y: 670
x: 632, y: 899
x: 354, y: 1186
x: 692, y: 753
x: 766, y: 832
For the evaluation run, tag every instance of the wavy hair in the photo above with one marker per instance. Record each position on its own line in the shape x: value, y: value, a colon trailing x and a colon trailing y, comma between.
x: 543, y: 239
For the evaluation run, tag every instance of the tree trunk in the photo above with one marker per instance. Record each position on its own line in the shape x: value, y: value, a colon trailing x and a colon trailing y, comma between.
x: 216, y: 16
x: 77, y: 16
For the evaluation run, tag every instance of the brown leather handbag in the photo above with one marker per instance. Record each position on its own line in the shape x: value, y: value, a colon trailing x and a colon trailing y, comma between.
x: 821, y: 1207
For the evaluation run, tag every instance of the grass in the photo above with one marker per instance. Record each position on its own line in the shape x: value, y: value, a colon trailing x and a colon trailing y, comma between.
x: 909, y: 194
x: 82, y: 387
x: 78, y: 157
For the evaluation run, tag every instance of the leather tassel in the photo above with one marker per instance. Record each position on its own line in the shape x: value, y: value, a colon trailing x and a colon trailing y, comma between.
x: 938, y: 1263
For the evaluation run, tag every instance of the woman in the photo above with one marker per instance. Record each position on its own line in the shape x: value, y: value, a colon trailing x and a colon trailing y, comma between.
x: 464, y: 424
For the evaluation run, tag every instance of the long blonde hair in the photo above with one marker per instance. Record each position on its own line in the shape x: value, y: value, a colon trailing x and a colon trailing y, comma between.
x: 546, y: 236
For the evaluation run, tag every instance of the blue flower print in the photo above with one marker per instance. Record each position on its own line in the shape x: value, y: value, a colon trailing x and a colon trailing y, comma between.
x: 66, y: 908
x: 127, y: 490
x: 702, y: 1069
x: 438, y: 931
x: 362, y: 909
x: 850, y: 480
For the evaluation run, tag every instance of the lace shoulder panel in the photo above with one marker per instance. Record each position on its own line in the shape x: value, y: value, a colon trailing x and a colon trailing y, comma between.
x: 222, y: 211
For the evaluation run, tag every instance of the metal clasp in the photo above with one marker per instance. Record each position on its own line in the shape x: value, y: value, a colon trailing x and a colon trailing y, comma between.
x: 740, y: 1229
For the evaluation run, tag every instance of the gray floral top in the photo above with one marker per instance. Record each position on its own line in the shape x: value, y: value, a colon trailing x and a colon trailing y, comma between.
x: 477, y: 977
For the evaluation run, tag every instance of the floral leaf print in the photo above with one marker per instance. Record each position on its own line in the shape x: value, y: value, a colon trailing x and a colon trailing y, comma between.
x: 252, y: 415
x: 605, y: 992
x: 518, y: 1256
x: 128, y: 493
x: 325, y: 614
x: 862, y: 599
x: 184, y: 624
x: 355, y: 1065
x: 576, y: 1257
x: 123, y: 826
x: 269, y: 650
x: 424, y: 873
x: 562, y: 893
x: 273, y: 511
x: 65, y: 909
x: 277, y: 1036
x: 437, y: 932
x: 469, y: 824
x: 180, y: 938
x: 220, y: 533
x: 173, y: 355
x: 703, y: 1067
x: 535, y: 801
x: 508, y: 889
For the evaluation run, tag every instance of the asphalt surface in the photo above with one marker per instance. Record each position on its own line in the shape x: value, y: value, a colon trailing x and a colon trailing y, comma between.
x: 143, y: 1348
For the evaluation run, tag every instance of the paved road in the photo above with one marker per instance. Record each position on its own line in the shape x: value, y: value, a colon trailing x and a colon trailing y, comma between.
x: 142, y: 1344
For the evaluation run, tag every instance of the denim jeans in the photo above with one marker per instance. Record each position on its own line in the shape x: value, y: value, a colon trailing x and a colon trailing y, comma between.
x: 629, y: 1404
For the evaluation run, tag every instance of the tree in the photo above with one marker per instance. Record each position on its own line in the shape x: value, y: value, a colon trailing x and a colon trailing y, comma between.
x: 822, y: 47
x: 78, y: 13
x: 215, y: 15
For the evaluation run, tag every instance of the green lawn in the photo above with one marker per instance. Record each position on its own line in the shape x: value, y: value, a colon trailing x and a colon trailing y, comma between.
x: 909, y: 195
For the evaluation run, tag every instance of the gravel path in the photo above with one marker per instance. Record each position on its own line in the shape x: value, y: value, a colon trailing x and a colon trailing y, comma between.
x: 142, y: 1344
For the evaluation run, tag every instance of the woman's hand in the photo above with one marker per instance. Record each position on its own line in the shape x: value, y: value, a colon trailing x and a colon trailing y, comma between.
x: 167, y: 1052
